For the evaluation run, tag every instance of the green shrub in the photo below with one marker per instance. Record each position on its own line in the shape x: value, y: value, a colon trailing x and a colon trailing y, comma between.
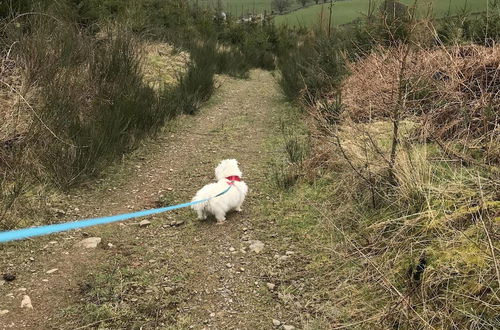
x: 483, y: 29
x: 197, y: 85
x: 314, y: 68
x: 94, y: 104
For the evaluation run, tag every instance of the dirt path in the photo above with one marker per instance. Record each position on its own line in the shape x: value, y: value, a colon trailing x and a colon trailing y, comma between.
x: 176, y: 273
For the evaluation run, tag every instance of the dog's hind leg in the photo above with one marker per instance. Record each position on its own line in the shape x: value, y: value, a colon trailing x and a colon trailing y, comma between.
x: 221, y: 217
x: 202, y: 215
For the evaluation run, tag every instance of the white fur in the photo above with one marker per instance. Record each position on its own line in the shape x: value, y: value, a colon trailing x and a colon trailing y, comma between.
x: 231, y: 200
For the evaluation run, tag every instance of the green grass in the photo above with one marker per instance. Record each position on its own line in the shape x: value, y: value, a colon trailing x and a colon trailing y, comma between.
x: 332, y: 221
x: 346, y: 11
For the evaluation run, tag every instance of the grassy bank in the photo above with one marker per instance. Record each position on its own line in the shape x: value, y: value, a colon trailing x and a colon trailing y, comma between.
x: 396, y: 202
x: 420, y: 254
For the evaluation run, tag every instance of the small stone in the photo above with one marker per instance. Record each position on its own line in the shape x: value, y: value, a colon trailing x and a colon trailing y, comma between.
x: 276, y: 323
x: 212, y: 314
x: 144, y: 223
x: 53, y: 242
x: 3, y: 312
x: 242, y: 269
x: 110, y: 245
x: 270, y: 285
x: 45, y: 280
x: 289, y: 253
x: 179, y: 223
x: 8, y: 277
x: 26, y: 302
x: 52, y: 271
x: 21, y: 289
x: 256, y: 246
x: 31, y: 259
x: 245, y: 229
x: 228, y: 265
x: 232, y: 249
x: 288, y: 327
x: 151, y: 261
x: 59, y: 213
x: 89, y: 243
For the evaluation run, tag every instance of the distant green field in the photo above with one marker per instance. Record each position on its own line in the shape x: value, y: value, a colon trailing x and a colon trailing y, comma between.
x: 236, y: 7
x: 348, y: 10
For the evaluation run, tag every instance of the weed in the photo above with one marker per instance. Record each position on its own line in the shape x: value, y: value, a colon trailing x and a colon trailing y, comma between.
x: 283, y: 176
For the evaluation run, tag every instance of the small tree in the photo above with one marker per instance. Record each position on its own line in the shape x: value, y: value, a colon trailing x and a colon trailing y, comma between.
x: 304, y: 2
x: 281, y: 5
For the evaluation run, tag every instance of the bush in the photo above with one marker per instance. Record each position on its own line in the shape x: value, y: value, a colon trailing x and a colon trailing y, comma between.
x: 483, y: 29
x: 314, y: 68
x: 96, y: 86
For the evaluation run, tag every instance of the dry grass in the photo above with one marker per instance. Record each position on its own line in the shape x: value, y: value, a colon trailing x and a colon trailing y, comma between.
x: 453, y: 92
x: 15, y: 114
x: 421, y: 252
x: 163, y: 64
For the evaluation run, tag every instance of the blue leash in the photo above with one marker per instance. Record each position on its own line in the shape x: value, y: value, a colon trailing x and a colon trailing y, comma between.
x: 18, y: 234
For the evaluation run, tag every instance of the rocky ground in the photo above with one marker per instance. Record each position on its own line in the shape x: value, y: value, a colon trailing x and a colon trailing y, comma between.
x: 172, y: 271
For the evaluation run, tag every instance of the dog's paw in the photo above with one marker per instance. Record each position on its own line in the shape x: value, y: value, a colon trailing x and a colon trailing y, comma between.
x: 220, y: 219
x: 221, y: 222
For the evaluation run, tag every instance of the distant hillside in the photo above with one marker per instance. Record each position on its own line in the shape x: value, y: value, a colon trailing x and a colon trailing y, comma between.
x: 348, y: 10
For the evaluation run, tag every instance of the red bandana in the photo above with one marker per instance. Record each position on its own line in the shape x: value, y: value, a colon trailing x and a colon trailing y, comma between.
x: 233, y: 178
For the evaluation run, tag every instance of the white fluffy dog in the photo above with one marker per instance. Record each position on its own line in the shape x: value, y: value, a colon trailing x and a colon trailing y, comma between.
x: 227, y: 174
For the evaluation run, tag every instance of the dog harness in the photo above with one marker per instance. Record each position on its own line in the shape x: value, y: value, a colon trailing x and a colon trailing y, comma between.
x: 233, y: 178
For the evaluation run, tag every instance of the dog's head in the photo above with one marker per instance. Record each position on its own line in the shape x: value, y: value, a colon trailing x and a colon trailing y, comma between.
x: 227, y: 167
